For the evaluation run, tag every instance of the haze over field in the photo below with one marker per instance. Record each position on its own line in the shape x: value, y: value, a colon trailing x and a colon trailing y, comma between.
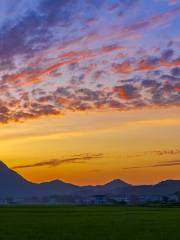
x: 90, y: 90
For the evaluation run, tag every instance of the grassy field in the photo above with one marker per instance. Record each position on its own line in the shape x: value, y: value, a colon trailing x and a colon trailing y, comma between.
x: 89, y: 223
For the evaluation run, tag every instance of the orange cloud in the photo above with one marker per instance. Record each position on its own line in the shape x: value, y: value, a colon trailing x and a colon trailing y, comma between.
x: 177, y: 88
x: 124, y: 68
x: 122, y: 94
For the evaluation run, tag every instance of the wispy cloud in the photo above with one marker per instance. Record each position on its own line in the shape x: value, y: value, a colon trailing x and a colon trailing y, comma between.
x: 169, y: 163
x: 159, y: 153
x: 165, y: 152
x: 81, y: 158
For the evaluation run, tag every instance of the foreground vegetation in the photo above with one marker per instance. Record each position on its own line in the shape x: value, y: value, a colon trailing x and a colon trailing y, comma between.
x: 89, y: 223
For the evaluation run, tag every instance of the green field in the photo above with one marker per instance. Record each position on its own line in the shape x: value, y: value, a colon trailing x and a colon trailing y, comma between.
x: 89, y: 223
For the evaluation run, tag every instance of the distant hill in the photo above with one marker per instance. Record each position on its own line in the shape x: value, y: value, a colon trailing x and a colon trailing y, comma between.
x: 14, y: 185
x: 107, y: 188
x: 163, y: 188
x: 57, y: 187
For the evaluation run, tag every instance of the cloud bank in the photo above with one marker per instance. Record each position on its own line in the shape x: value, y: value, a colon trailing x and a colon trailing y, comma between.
x: 58, y: 56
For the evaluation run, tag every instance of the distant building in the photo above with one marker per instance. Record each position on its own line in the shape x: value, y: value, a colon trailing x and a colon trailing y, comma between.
x: 119, y: 199
x: 3, y: 202
x: 134, y: 199
x: 100, y: 199
x: 178, y: 196
x: 173, y: 198
x: 150, y: 198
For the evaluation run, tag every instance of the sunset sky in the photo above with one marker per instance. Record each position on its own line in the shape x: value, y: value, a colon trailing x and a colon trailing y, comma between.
x: 90, y: 89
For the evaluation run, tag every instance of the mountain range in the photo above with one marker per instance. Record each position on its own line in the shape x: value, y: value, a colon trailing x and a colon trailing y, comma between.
x: 14, y: 185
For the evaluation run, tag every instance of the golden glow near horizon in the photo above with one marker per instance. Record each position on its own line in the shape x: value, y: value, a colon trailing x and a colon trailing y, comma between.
x: 137, y: 146
x: 90, y: 90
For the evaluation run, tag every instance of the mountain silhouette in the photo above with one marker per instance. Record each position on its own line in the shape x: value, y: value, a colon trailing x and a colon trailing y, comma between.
x: 14, y: 185
x: 166, y: 187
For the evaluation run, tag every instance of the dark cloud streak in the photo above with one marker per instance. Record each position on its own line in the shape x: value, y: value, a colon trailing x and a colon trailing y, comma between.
x: 169, y: 163
x: 81, y: 158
